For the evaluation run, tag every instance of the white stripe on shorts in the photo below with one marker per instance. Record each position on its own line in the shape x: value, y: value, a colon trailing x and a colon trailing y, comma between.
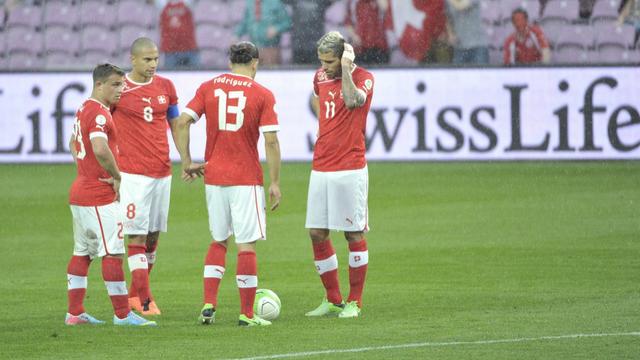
x: 213, y: 271
x: 247, y: 281
x: 115, y: 288
x: 328, y: 264
x: 76, y: 282
x: 138, y: 261
x: 358, y: 258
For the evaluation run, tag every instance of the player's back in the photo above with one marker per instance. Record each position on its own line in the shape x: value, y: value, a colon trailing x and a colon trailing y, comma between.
x: 237, y: 108
x: 93, y: 119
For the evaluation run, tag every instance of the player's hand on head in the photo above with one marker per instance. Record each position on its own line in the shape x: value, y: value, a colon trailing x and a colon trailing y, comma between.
x: 274, y: 196
x: 348, y: 55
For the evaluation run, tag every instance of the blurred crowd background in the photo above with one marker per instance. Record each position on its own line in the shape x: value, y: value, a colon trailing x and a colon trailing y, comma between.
x: 77, y: 34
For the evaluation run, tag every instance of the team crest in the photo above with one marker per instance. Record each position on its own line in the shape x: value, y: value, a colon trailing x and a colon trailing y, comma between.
x: 101, y: 120
x: 162, y: 99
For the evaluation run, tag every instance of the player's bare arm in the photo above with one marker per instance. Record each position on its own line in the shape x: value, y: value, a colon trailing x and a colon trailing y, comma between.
x: 353, y: 97
x: 180, y: 130
x: 72, y: 148
x: 272, y: 150
x: 314, y: 101
x: 106, y: 159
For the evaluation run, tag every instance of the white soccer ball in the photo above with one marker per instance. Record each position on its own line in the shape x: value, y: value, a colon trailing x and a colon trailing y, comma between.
x: 267, y: 304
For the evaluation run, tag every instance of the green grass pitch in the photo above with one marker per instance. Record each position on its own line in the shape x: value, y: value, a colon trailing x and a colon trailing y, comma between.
x: 459, y: 252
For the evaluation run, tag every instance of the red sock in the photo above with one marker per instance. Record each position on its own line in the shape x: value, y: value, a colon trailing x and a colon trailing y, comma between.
x: 151, y: 254
x: 139, y: 271
x: 358, y: 260
x: 247, y: 279
x: 77, y: 271
x: 213, y: 272
x: 113, y: 276
x: 326, y: 263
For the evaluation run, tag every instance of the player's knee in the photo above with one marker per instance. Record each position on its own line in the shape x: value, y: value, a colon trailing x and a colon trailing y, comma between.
x: 318, y: 235
x: 138, y: 239
x: 353, y: 236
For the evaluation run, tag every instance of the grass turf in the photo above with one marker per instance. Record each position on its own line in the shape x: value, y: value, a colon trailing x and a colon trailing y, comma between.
x: 458, y: 252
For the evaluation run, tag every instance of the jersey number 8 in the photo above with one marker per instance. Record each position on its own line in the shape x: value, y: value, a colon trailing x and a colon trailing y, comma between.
x: 223, y: 109
x: 147, y: 113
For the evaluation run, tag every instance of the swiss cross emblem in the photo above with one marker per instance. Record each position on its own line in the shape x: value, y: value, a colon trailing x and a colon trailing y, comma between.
x: 357, y: 258
x: 162, y: 99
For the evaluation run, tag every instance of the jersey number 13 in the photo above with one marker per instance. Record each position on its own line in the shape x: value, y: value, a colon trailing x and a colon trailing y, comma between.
x: 224, y: 109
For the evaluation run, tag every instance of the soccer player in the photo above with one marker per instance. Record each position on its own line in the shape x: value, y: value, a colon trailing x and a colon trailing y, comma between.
x: 237, y: 110
x: 149, y: 102
x: 93, y: 200
x: 338, y: 187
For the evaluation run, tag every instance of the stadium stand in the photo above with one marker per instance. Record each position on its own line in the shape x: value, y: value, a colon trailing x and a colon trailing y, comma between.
x: 76, y: 33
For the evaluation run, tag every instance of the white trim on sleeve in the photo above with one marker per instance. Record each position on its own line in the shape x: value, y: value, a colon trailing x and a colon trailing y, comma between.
x: 96, y: 134
x: 191, y: 113
x: 269, y: 128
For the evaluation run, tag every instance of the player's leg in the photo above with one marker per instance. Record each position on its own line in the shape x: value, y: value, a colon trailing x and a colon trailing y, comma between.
x: 358, y: 264
x: 78, y: 268
x: 158, y: 216
x: 221, y: 229
x: 247, y: 205
x: 111, y: 249
x: 135, y: 202
x: 348, y: 202
x: 325, y: 259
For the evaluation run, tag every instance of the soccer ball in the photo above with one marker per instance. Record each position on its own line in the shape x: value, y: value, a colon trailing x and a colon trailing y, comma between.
x: 267, y: 304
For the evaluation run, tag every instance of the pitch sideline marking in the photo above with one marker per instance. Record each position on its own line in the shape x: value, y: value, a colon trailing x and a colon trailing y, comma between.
x: 436, y: 344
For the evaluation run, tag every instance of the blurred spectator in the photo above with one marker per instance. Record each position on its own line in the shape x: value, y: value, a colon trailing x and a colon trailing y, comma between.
x: 527, y: 45
x: 264, y: 22
x: 435, y: 25
x: 365, y: 26
x: 630, y: 11
x: 466, y: 33
x: 178, y: 36
x: 308, y: 27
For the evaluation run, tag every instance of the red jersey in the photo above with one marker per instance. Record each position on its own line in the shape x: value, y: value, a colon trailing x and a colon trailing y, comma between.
x: 341, y: 142
x: 237, y: 110
x: 141, y: 116
x: 93, y: 119
x: 526, y: 49
x: 177, y: 30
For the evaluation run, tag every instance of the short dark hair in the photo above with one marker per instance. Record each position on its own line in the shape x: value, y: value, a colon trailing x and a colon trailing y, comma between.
x: 103, y: 71
x: 243, y: 52
x: 520, y: 11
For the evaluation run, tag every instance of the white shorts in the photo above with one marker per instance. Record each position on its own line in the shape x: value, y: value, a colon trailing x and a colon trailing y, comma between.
x: 144, y: 203
x: 237, y: 210
x: 97, y: 230
x: 337, y: 200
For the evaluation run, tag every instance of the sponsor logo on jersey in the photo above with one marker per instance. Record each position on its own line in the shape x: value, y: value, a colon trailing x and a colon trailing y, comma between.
x: 332, y: 94
x: 146, y: 99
